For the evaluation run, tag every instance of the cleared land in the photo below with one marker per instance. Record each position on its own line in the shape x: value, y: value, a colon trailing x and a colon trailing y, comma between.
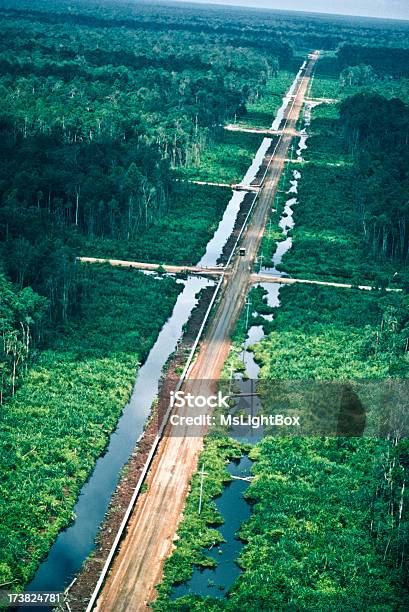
x: 138, y: 566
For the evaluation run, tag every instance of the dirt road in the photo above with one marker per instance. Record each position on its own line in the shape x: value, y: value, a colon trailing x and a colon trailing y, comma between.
x: 283, y: 280
x: 213, y: 271
x: 149, y: 540
x: 267, y: 132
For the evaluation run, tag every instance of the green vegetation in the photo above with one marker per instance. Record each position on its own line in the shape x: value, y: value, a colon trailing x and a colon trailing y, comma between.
x: 352, y: 217
x: 179, y: 236
x: 261, y: 109
x: 198, y: 531
x: 225, y: 159
x: 346, y: 334
x: 252, y: 315
x: 60, y: 419
x: 326, y: 142
x: 322, y: 333
x: 310, y: 545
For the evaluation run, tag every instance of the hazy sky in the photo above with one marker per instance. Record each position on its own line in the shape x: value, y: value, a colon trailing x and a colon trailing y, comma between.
x: 394, y: 9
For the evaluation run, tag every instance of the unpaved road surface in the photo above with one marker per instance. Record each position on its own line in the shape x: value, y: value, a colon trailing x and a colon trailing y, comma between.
x: 138, y: 565
x: 284, y: 280
x: 153, y: 267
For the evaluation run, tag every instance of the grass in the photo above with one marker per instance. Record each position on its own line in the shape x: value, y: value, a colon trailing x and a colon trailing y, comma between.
x: 180, y: 235
x: 327, y: 238
x: 60, y: 420
x: 225, y: 159
x: 261, y: 112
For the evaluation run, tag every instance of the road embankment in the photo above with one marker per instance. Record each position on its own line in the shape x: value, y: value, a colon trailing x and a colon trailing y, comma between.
x: 79, y: 593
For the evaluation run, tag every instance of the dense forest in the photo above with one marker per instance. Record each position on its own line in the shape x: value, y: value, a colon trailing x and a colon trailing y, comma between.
x: 376, y: 132
x: 102, y: 121
x: 329, y: 516
x: 108, y: 113
x: 93, y: 129
x: 251, y: 27
x: 383, y: 60
x: 322, y: 509
x: 358, y: 162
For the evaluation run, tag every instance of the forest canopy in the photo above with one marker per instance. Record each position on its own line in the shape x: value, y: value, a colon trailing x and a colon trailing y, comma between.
x: 110, y: 112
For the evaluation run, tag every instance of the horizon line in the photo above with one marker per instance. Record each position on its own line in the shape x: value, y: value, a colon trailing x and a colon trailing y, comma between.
x: 282, y: 10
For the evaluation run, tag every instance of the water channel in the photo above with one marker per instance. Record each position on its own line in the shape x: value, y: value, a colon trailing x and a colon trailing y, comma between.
x: 286, y: 100
x: 215, y: 582
x: 74, y: 544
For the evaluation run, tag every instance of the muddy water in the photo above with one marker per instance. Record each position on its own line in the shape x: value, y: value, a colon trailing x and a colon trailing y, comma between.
x: 75, y: 543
